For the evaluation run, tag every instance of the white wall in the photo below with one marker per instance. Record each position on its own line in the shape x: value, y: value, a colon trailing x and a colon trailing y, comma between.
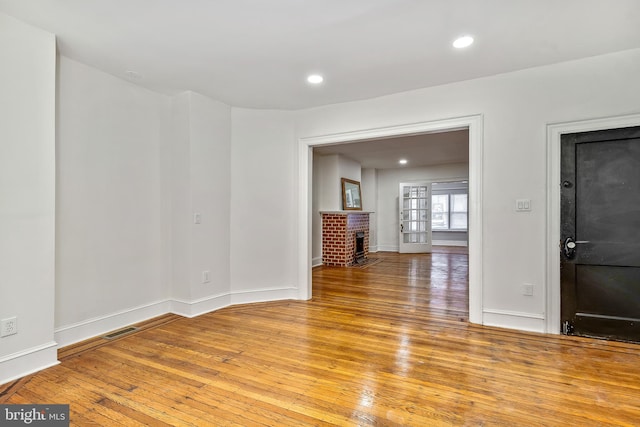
x: 110, y: 245
x: 27, y: 196
x: 319, y: 168
x: 199, y: 165
x: 176, y: 164
x: 516, y: 109
x: 349, y: 169
x: 134, y: 166
x: 369, y: 184
x: 326, y: 170
x: 210, y: 124
x: 330, y: 169
x: 263, y: 200
x: 388, y: 184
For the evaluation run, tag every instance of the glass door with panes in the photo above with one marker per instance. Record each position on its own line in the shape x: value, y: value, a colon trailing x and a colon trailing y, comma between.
x: 415, y: 217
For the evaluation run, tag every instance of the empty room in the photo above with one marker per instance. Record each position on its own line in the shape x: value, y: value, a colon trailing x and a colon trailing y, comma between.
x: 288, y: 213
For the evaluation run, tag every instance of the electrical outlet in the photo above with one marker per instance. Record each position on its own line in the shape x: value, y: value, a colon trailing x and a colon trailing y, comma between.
x: 527, y: 289
x: 8, y: 327
x: 206, y: 276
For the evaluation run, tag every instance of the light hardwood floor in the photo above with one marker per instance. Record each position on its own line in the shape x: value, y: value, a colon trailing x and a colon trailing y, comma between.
x: 388, y: 344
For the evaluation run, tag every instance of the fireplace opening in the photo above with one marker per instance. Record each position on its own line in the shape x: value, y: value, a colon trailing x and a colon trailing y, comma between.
x: 360, y: 253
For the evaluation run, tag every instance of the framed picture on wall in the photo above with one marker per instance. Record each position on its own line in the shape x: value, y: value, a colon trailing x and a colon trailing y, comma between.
x: 351, y: 200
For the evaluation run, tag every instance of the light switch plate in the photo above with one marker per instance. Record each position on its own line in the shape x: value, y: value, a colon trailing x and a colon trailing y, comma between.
x: 523, y: 205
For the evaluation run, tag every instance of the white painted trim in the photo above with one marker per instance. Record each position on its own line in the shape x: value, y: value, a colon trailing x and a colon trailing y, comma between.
x: 445, y: 125
x: 216, y: 302
x: 317, y: 261
x: 476, y: 161
x: 28, y: 351
x: 449, y: 243
x: 26, y: 362
x: 373, y: 249
x: 98, y: 326
x: 533, y: 322
x: 305, y: 161
x: 263, y: 295
x: 514, y: 313
x: 388, y: 248
x: 29, y: 361
x: 395, y: 248
x: 305, y: 251
x: 554, y: 132
x: 70, y: 334
x: 200, y: 306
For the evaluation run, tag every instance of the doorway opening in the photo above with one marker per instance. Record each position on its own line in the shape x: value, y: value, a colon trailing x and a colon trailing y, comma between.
x: 552, y: 288
x: 600, y: 231
x: 474, y: 126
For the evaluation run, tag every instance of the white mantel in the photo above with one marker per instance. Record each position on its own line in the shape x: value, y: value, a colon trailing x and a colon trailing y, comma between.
x: 350, y: 212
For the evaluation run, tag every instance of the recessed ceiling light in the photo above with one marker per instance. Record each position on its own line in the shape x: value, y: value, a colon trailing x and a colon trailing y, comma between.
x: 315, y: 79
x: 402, y: 161
x: 462, y: 42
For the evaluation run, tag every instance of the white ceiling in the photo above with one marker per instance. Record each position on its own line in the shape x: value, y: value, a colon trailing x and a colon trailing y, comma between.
x: 257, y: 53
x: 419, y: 150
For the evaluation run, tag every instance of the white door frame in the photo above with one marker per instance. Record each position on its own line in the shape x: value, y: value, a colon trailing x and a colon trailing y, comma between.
x: 554, y: 133
x: 305, y: 161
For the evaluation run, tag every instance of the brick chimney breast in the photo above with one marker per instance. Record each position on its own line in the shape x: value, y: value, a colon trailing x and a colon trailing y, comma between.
x: 339, y: 236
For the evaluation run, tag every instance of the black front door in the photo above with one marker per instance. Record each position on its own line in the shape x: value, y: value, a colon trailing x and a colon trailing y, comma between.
x: 600, y: 231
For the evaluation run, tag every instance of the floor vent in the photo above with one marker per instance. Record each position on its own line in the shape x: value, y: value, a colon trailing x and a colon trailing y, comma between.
x: 120, y: 333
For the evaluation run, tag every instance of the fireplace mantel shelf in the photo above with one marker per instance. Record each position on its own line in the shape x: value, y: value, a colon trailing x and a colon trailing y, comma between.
x: 346, y: 212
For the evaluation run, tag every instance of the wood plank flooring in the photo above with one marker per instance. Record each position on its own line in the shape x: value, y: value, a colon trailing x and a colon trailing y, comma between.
x: 384, y: 345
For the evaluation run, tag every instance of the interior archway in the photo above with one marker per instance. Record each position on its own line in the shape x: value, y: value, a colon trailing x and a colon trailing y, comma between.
x: 305, y: 157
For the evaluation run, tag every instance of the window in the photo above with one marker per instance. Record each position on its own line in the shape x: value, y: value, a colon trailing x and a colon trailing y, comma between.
x: 449, y: 206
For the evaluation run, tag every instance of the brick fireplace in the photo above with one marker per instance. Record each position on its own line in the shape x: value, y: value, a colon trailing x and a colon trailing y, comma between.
x: 339, y: 230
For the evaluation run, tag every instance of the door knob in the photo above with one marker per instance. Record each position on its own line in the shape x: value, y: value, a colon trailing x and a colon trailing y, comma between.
x: 569, y: 248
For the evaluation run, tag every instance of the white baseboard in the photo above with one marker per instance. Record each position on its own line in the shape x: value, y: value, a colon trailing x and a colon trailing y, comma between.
x: 262, y: 295
x: 396, y: 248
x: 373, y: 249
x: 449, y: 243
x: 531, y: 322
x: 200, y: 306
x: 70, y: 334
x: 28, y: 361
x: 216, y: 302
x: 91, y: 328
